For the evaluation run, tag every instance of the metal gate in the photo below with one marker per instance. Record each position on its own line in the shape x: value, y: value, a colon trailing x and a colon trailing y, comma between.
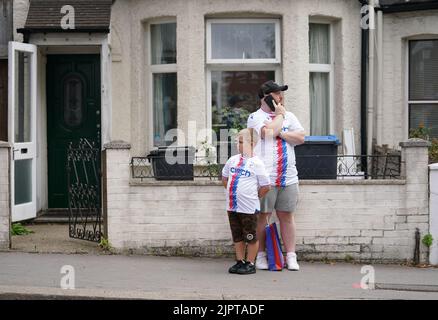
x: 84, y: 191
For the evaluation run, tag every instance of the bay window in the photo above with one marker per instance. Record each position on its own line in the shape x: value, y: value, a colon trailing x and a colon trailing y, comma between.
x: 241, y: 54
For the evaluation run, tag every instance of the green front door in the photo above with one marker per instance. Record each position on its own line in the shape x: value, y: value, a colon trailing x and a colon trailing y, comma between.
x: 73, y: 112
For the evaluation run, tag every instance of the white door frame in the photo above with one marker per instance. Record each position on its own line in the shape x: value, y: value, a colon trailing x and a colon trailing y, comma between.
x: 22, y: 150
x: 62, y: 43
x: 84, y: 39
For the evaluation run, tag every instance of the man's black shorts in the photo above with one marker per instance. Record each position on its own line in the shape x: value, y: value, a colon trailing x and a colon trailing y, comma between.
x: 243, y: 226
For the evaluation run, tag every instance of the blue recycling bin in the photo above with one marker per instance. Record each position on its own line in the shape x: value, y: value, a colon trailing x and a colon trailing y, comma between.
x: 316, y: 159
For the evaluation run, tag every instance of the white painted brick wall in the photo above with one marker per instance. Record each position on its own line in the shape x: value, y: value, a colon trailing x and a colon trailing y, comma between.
x: 4, y: 197
x: 366, y: 220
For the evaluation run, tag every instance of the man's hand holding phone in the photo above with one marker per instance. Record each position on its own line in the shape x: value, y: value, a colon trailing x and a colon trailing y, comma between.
x: 277, y: 108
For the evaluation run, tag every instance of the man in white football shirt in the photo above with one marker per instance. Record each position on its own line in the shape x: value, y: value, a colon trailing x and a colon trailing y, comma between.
x: 280, y: 131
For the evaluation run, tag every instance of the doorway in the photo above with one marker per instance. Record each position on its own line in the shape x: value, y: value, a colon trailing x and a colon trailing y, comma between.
x: 73, y: 113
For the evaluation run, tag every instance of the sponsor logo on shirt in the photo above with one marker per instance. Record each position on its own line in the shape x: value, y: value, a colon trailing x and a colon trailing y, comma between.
x: 241, y: 172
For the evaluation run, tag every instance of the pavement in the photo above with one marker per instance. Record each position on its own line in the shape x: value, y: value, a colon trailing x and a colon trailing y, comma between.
x: 38, y: 276
x: 32, y: 269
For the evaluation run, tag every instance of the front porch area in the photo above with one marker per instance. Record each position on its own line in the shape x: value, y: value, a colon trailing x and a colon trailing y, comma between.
x: 52, y: 238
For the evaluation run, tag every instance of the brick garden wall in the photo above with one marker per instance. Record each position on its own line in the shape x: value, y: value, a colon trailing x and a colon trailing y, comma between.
x: 340, y: 219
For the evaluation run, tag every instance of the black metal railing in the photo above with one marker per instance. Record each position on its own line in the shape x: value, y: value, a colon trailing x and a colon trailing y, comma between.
x: 345, y: 166
x: 313, y: 167
x: 158, y: 168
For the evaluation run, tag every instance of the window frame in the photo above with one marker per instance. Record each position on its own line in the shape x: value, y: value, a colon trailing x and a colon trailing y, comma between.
x: 325, y: 68
x: 239, y: 64
x: 232, y: 68
x: 278, y: 48
x: 410, y: 102
x: 155, y: 69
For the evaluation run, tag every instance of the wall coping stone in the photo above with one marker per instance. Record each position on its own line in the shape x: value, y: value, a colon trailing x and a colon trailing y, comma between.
x: 4, y: 144
x: 414, y: 143
x: 155, y: 183
x: 117, y: 144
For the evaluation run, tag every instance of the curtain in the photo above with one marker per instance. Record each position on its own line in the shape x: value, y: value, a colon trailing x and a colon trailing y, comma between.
x: 163, y: 51
x: 163, y: 42
x: 243, y: 41
x: 165, y: 105
x: 423, y: 85
x: 319, y: 103
x: 159, y: 129
x: 423, y: 70
x: 319, y: 53
x: 319, y: 43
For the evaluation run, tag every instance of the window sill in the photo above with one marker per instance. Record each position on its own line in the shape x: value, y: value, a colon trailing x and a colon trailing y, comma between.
x: 354, y: 182
x: 215, y: 183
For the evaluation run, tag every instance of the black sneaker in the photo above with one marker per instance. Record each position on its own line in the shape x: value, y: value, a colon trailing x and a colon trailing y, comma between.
x: 236, y: 267
x: 247, y: 268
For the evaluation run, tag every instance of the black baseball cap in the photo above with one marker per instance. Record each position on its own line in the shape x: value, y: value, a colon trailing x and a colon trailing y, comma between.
x: 269, y: 87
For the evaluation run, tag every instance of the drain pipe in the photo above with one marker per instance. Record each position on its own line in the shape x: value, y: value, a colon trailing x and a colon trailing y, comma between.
x: 379, y: 86
x: 417, y: 247
x: 363, y: 93
x: 370, y: 113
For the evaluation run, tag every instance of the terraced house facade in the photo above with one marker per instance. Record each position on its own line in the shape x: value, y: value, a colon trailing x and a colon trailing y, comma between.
x: 94, y: 86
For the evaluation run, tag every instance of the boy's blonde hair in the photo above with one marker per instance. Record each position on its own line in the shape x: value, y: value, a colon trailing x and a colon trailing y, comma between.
x: 249, y: 135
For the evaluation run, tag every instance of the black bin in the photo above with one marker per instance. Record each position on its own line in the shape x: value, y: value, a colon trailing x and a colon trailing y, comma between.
x: 316, y: 159
x: 172, y: 163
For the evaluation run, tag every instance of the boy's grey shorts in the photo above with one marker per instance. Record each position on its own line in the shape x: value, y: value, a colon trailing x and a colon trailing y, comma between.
x: 280, y: 199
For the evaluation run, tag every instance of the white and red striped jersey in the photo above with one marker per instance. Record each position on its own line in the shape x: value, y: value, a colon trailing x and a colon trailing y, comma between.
x: 245, y: 177
x: 277, y: 155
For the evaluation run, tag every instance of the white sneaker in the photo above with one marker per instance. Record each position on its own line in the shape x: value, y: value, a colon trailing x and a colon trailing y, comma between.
x: 262, y: 261
x: 292, y: 263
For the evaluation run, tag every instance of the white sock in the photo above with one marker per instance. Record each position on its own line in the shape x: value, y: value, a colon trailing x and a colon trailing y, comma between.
x: 291, y: 254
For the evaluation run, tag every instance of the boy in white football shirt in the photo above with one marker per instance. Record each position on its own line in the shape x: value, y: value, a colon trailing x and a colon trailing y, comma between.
x: 246, y: 180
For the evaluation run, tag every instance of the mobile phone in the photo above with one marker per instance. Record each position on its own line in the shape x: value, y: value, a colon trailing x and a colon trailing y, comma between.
x: 270, y: 102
